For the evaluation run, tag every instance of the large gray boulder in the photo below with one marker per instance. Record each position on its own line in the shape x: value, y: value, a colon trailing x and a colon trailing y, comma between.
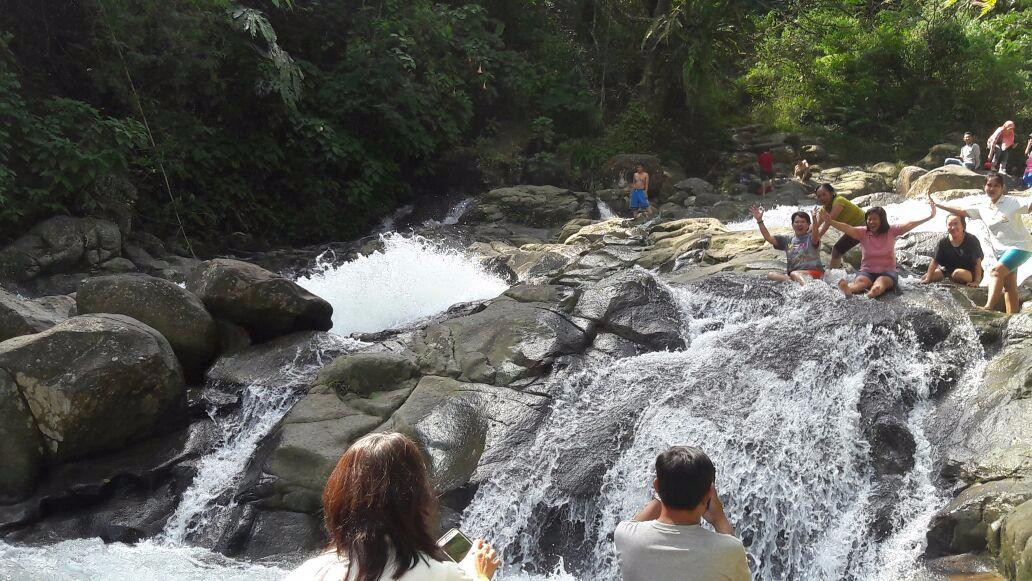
x: 505, y: 342
x: 366, y: 373
x: 950, y: 177
x: 95, y: 383
x: 19, y: 316
x: 937, y: 155
x: 174, y: 312
x: 906, y: 178
x: 855, y: 183
x: 983, y: 434
x: 265, y: 304
x: 21, y: 444
x: 60, y: 245
x: 534, y: 206
x: 633, y: 305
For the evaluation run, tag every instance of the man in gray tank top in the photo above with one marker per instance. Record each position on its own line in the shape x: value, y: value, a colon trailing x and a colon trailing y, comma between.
x: 666, y: 540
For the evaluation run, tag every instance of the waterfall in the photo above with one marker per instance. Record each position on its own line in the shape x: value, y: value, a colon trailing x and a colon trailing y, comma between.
x: 768, y: 387
x: 604, y: 211
x: 205, y: 505
x: 409, y: 279
x: 458, y: 211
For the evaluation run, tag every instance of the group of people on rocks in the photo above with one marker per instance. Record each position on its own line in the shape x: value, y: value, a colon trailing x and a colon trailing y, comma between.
x: 379, y: 507
x: 958, y: 256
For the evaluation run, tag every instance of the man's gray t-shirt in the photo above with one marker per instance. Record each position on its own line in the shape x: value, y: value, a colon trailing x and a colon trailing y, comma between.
x: 654, y: 551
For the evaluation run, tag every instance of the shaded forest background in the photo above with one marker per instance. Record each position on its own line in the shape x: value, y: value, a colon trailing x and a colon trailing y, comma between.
x: 308, y: 120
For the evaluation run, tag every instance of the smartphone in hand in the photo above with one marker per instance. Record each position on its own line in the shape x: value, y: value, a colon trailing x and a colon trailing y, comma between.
x: 455, y: 544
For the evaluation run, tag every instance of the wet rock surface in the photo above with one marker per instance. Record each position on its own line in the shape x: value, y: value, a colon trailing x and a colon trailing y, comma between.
x: 265, y: 304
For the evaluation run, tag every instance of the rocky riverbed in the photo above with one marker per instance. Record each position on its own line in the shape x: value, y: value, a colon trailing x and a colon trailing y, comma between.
x: 144, y: 395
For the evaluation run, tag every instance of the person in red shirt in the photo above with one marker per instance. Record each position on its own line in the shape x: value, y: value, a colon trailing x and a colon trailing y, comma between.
x: 766, y: 161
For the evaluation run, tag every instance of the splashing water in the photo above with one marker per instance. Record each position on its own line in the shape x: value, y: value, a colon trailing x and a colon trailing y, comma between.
x: 769, y: 388
x: 203, y: 508
x: 409, y: 279
x: 92, y: 559
x: 458, y: 211
x: 780, y: 217
x: 604, y: 211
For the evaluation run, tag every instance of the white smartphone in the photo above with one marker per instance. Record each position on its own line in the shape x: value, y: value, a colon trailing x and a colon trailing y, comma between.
x: 455, y: 544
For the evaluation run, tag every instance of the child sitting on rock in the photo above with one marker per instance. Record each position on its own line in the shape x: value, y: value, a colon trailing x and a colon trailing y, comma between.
x: 803, y: 250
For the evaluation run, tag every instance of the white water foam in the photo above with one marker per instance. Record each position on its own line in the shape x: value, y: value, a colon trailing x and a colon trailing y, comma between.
x: 203, y: 506
x: 409, y: 279
x: 604, y: 211
x: 93, y: 560
x: 781, y: 217
x: 769, y: 387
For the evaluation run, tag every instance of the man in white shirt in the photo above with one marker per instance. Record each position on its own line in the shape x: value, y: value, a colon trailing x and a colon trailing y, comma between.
x: 666, y: 540
x: 970, y: 154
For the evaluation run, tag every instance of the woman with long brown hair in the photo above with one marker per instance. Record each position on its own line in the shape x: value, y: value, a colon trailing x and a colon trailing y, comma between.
x: 378, y: 505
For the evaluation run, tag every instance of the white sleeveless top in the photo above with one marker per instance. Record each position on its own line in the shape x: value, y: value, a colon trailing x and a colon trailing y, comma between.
x: 330, y: 567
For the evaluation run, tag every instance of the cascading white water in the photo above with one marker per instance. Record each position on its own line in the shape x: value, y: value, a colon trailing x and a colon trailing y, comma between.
x: 92, y: 559
x: 409, y: 279
x: 458, y: 211
x: 203, y: 506
x: 769, y: 388
x: 780, y: 217
x: 604, y: 211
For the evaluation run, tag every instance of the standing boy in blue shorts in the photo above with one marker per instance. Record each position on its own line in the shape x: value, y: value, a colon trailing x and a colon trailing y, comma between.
x: 639, y: 192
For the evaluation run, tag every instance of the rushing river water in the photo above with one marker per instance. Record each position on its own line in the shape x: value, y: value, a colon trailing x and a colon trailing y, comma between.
x: 768, y: 386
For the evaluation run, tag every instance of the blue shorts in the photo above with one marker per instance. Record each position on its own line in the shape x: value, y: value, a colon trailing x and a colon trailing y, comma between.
x: 1014, y: 258
x: 639, y: 200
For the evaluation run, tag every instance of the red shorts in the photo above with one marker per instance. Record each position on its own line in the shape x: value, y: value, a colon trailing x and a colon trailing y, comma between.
x: 814, y: 273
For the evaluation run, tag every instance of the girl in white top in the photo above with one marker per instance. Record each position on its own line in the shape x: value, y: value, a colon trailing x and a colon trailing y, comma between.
x: 1011, y: 241
x: 378, y: 505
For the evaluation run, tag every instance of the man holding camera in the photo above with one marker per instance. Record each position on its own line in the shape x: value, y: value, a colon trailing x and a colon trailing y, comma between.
x: 666, y: 539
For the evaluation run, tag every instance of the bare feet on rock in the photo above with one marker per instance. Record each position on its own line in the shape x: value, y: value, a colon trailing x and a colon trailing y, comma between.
x: 844, y: 287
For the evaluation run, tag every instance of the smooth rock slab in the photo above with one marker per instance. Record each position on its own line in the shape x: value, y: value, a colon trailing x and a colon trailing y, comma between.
x: 21, y: 444
x: 20, y: 316
x: 95, y: 383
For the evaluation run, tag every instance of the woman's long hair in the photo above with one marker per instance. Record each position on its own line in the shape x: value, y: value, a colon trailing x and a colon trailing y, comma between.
x: 883, y: 219
x: 378, y: 504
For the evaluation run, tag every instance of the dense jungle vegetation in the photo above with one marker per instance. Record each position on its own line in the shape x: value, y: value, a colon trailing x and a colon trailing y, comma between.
x: 306, y: 120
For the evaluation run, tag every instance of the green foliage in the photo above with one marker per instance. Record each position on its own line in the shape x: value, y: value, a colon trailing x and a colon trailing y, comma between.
x: 307, y: 121
x: 909, y: 75
x: 53, y: 152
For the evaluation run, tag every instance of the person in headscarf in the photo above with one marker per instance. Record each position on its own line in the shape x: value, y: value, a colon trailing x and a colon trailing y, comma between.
x: 1000, y: 144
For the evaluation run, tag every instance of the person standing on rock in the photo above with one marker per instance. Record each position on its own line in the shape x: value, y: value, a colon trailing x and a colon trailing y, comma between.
x: 665, y: 541
x: 958, y: 256
x: 838, y: 208
x: 378, y: 504
x: 640, y: 191
x: 766, y: 162
x: 803, y: 250
x: 1000, y: 144
x: 1010, y: 239
x: 878, y: 252
x: 970, y: 154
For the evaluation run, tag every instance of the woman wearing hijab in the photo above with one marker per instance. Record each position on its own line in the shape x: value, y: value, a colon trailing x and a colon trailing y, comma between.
x: 1000, y: 144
